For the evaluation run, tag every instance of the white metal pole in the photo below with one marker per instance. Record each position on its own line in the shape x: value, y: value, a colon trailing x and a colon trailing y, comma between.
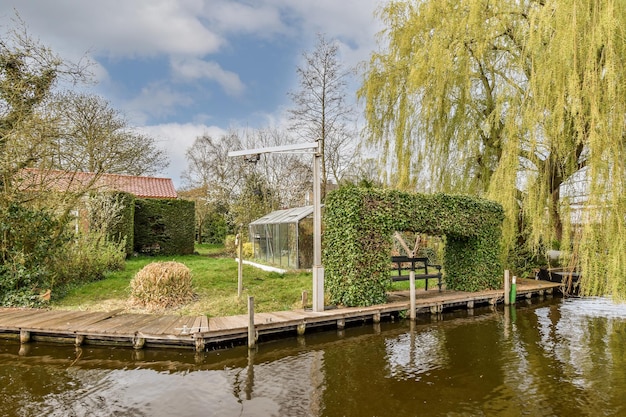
x: 318, y: 270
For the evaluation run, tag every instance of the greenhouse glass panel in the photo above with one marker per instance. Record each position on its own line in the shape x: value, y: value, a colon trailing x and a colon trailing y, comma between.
x: 284, y: 238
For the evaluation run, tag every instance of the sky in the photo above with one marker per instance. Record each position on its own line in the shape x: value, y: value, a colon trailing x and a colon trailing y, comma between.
x: 179, y: 69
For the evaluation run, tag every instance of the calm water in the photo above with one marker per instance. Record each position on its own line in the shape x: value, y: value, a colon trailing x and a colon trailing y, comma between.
x: 550, y: 358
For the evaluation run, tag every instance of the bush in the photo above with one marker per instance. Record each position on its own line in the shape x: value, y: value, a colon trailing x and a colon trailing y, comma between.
x: 87, y: 258
x: 29, y: 239
x: 231, y: 248
x: 161, y: 285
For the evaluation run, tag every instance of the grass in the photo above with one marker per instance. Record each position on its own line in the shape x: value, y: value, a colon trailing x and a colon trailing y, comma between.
x: 214, y: 280
x: 215, y: 284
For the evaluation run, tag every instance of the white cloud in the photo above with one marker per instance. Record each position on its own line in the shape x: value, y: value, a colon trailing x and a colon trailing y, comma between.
x: 194, y: 69
x: 155, y: 100
x: 175, y: 139
x: 259, y: 17
x: 119, y: 28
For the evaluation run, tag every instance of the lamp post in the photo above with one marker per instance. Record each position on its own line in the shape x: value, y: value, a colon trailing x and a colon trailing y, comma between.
x: 318, y: 269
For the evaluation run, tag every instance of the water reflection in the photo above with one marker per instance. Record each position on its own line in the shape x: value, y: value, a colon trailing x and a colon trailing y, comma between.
x: 551, y: 358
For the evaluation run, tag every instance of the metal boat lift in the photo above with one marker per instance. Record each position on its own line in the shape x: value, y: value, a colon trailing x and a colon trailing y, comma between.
x: 318, y: 269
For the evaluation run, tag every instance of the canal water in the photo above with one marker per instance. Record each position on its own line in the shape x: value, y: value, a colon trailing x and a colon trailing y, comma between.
x: 549, y: 357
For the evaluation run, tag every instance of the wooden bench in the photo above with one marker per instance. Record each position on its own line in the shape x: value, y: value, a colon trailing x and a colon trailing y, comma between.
x: 404, y: 263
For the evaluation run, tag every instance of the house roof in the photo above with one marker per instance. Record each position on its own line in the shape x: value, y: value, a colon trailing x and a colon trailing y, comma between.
x: 293, y: 215
x: 143, y: 187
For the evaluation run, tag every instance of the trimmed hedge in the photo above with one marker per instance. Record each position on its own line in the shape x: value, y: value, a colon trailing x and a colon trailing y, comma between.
x: 164, y: 226
x: 358, y: 230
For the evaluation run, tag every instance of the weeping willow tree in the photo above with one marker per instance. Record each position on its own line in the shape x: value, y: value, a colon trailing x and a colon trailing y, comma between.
x: 520, y: 101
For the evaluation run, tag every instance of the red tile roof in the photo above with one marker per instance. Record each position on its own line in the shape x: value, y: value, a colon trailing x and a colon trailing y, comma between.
x: 143, y: 187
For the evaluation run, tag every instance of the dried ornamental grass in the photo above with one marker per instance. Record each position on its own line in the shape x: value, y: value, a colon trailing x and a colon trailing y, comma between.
x: 162, y: 285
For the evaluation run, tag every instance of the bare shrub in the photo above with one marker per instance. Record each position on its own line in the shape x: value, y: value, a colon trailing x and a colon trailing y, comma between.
x: 161, y: 285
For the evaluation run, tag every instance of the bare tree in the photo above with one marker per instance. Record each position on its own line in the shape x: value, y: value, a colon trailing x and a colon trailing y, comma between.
x: 209, y: 167
x: 288, y: 174
x: 321, y: 111
x: 97, y: 138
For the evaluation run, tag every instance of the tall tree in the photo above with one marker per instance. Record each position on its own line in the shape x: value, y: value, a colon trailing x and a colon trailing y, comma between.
x: 97, y: 138
x: 210, y: 168
x: 29, y: 72
x: 321, y: 111
x: 521, y: 101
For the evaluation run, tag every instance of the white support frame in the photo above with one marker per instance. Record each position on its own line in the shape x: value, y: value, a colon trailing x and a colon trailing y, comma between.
x: 318, y: 269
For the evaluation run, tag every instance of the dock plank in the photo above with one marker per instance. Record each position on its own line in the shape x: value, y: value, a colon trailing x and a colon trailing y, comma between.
x: 176, y: 328
x: 78, y: 323
x: 157, y: 326
x: 228, y: 323
x: 120, y: 324
x: 51, y: 319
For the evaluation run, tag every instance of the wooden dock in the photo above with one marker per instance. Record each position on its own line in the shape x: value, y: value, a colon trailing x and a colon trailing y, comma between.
x: 200, y: 332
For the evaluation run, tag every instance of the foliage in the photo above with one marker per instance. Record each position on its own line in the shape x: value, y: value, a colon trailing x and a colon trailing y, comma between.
x: 29, y: 241
x: 162, y: 285
x: 164, y: 226
x: 257, y: 198
x: 88, y: 257
x: 524, y: 105
x: 231, y: 249
x: 359, y: 224
x: 215, y: 228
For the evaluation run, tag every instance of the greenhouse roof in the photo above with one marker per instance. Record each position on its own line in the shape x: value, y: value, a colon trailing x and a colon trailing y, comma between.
x: 293, y: 215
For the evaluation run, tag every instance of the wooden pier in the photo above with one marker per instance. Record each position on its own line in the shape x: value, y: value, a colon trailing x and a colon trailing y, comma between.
x: 199, y: 332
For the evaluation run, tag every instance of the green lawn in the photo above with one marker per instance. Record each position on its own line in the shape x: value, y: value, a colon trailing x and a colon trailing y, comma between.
x: 215, y: 283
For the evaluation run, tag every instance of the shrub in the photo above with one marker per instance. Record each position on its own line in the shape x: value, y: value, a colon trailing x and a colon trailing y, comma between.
x: 88, y: 257
x: 231, y: 248
x: 29, y: 239
x: 161, y: 285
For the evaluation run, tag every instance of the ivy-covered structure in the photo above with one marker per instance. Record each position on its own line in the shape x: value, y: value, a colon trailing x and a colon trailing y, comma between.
x: 359, y: 224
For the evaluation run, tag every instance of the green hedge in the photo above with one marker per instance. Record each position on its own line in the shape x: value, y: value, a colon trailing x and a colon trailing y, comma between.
x: 164, y: 226
x: 358, y: 230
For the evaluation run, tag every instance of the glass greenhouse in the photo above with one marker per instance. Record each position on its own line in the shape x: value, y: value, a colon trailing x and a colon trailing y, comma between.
x: 284, y: 238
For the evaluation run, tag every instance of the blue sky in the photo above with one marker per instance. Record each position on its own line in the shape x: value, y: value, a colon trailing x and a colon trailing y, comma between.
x: 182, y: 68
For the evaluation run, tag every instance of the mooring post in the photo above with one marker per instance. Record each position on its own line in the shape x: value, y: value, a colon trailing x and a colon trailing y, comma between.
x: 513, y: 298
x: 305, y: 299
x: 507, y: 287
x: 251, y: 329
x: 239, y: 264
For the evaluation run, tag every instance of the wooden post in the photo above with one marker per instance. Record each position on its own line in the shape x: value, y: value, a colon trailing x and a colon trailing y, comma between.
x: 305, y: 299
x: 240, y: 265
x: 507, y: 288
x: 301, y: 328
x: 251, y: 329
x: 24, y: 336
